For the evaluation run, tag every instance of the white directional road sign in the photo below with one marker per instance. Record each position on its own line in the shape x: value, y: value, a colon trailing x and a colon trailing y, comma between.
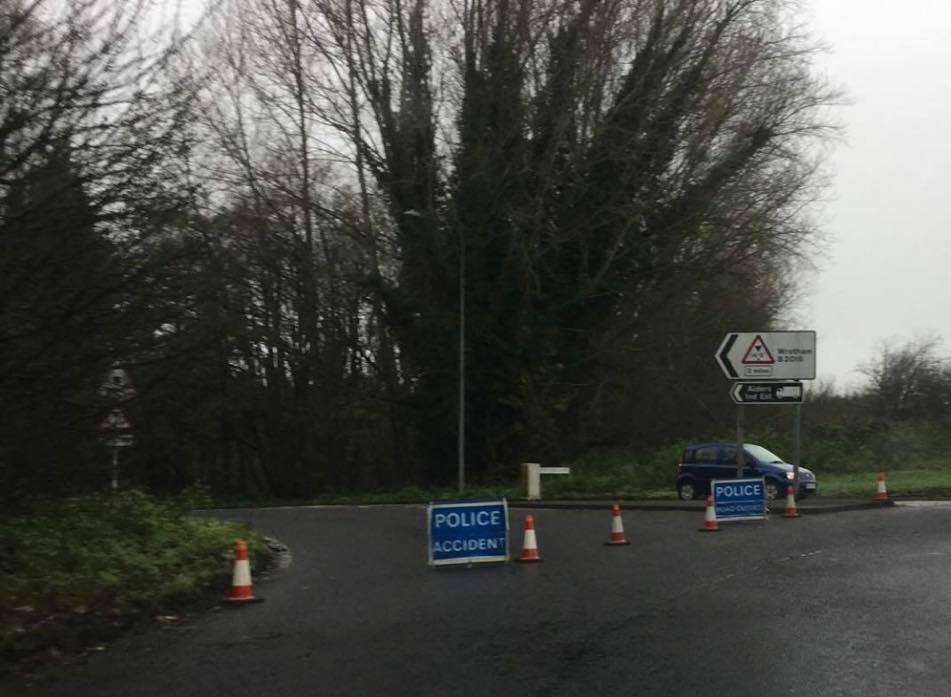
x: 768, y: 355
x: 122, y: 440
x: 767, y: 392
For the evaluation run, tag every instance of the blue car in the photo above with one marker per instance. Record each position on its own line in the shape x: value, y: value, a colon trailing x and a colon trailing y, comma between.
x: 702, y: 462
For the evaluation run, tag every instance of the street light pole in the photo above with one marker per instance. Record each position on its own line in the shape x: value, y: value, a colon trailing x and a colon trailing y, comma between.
x: 462, y: 362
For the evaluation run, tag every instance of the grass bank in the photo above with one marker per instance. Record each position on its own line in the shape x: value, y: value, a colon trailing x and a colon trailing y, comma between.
x: 916, y: 483
x: 626, y: 476
x: 74, y: 574
x: 845, y: 454
x: 623, y: 475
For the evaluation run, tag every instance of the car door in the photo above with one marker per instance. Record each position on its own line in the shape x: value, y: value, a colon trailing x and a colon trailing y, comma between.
x: 751, y: 466
x: 728, y: 464
x: 705, y: 460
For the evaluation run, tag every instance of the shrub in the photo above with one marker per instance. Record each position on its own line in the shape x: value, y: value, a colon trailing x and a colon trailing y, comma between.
x: 86, y: 565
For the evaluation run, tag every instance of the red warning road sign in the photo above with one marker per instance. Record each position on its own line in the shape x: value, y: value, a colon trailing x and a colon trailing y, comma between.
x: 768, y: 355
x: 758, y: 353
x: 116, y: 420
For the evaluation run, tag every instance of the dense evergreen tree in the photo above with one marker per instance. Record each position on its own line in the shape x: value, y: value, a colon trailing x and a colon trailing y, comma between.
x: 272, y: 229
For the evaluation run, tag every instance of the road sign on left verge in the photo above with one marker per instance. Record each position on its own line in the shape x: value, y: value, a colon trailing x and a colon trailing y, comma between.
x: 115, y: 420
x: 468, y: 532
x: 121, y: 440
x: 117, y: 386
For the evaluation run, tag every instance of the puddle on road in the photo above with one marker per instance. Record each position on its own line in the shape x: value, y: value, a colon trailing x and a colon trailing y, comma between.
x: 796, y: 557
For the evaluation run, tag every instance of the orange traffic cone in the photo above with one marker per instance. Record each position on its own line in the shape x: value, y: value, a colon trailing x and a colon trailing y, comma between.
x: 710, y: 518
x: 882, y: 493
x: 241, y: 579
x: 790, y: 511
x: 530, y: 544
x: 617, y: 528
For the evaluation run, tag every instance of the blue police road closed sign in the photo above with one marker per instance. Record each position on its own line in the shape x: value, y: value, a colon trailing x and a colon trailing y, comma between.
x: 468, y: 532
x: 739, y: 499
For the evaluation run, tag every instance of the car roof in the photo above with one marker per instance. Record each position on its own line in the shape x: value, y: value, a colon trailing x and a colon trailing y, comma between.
x: 715, y: 443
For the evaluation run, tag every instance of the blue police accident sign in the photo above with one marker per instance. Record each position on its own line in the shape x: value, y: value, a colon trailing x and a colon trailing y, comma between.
x: 468, y: 532
x: 739, y: 499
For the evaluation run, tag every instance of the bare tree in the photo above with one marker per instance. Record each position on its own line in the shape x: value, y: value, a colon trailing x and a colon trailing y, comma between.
x: 909, y: 379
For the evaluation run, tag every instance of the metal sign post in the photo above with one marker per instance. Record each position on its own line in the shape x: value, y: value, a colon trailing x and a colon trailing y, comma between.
x: 115, y: 468
x: 462, y: 367
x: 777, y: 361
x: 797, y: 427
x: 115, y: 428
x: 116, y: 441
x: 739, y: 441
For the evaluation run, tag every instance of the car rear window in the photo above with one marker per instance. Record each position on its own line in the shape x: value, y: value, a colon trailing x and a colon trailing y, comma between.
x: 705, y: 455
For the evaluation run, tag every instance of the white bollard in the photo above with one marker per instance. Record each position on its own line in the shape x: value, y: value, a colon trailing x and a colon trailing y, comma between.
x: 532, y: 480
x: 532, y: 476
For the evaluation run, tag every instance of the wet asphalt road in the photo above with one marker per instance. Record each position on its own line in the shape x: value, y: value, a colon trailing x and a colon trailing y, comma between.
x: 852, y: 603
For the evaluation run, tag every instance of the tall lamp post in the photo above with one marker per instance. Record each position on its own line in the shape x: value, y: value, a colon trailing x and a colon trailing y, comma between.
x: 461, y: 446
x: 462, y: 362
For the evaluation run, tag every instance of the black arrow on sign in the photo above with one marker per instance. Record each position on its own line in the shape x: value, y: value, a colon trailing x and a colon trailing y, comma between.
x: 725, y: 352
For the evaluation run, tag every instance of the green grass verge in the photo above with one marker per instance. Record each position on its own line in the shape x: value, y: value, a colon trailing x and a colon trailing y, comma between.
x: 911, y: 454
x: 414, y: 494
x: 76, y: 573
x: 628, y: 480
x: 926, y: 483
x: 934, y: 483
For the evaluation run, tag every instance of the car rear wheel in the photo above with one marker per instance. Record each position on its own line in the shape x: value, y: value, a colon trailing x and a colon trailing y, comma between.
x: 686, y: 491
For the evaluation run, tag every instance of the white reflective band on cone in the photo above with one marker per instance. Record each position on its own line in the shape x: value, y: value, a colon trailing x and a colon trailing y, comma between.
x: 242, y: 573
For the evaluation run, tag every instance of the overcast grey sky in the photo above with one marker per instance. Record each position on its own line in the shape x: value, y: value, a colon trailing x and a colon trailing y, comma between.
x: 888, y: 267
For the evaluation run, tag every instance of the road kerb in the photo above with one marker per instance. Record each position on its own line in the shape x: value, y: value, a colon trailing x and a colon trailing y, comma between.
x: 588, y: 505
